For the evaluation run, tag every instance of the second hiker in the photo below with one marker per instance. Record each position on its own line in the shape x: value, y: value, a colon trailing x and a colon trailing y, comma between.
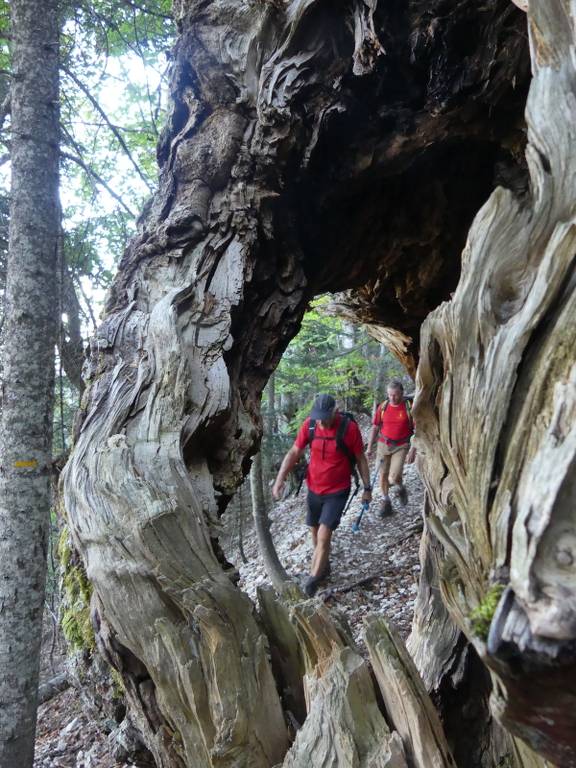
x: 393, y: 426
x: 335, y: 447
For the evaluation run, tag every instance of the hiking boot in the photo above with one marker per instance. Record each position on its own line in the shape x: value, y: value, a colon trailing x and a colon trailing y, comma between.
x: 402, y: 494
x: 311, y: 585
x: 386, y: 508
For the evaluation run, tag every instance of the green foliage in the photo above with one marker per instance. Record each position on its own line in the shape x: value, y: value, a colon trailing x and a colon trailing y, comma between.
x: 330, y: 355
x: 118, y: 689
x: 114, y: 63
x: 481, y: 617
x: 327, y: 355
x: 114, y: 72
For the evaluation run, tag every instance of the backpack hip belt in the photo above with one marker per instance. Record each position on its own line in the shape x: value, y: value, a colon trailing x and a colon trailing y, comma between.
x: 393, y: 443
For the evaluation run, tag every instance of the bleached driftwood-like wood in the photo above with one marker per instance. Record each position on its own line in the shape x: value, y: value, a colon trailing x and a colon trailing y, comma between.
x: 344, y: 725
x: 496, y: 415
x: 287, y: 656
x: 298, y: 133
x: 407, y: 702
x: 274, y: 568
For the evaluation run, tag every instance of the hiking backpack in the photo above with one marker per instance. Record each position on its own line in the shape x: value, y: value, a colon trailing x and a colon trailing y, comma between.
x: 340, y: 444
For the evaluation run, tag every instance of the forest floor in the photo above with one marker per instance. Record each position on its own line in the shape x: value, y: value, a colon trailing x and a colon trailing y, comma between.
x: 374, y: 571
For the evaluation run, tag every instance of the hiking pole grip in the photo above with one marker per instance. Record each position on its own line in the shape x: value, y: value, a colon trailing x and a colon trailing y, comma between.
x: 356, y: 524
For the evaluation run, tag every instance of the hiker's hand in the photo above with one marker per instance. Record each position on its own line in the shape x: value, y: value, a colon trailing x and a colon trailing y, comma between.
x: 367, y: 496
x: 411, y: 455
x: 278, y: 489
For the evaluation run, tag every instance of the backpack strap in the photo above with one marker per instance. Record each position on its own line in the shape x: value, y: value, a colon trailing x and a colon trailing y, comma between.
x: 383, y: 405
x: 311, y: 430
x: 340, y: 432
x: 342, y: 427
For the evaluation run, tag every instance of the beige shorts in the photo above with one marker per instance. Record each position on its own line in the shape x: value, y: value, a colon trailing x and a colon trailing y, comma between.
x: 392, y: 459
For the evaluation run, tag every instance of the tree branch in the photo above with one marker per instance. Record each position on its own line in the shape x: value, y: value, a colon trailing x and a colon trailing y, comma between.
x: 110, y: 125
x: 91, y: 172
x: 138, y: 7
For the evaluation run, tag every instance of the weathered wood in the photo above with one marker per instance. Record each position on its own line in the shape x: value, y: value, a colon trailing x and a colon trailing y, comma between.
x: 298, y: 134
x: 286, y: 655
x: 408, y: 705
x: 344, y: 726
x: 496, y: 418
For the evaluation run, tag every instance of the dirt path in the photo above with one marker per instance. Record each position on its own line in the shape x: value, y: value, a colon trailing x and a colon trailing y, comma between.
x: 384, y: 553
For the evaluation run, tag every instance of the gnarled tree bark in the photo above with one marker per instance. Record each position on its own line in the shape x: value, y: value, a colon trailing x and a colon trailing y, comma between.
x: 496, y: 419
x: 313, y: 145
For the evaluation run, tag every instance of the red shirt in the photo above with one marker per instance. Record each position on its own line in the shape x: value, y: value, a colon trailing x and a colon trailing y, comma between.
x: 394, y: 422
x: 329, y: 468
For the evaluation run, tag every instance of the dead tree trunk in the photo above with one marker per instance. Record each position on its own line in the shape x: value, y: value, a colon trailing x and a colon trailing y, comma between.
x: 312, y: 146
x: 496, y: 416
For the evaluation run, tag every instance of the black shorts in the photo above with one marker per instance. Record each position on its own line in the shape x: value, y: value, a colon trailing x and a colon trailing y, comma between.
x: 326, y: 509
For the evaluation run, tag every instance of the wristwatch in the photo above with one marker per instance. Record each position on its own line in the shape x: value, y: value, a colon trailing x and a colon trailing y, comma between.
x: 368, y: 488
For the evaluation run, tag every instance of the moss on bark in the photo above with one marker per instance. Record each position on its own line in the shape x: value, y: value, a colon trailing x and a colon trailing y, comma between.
x: 76, y: 594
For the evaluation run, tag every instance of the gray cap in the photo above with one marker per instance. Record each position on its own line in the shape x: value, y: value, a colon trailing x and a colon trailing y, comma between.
x: 323, y: 407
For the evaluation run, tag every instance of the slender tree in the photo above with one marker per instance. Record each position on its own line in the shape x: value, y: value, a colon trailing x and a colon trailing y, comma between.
x: 274, y: 567
x: 305, y: 154
x: 30, y: 335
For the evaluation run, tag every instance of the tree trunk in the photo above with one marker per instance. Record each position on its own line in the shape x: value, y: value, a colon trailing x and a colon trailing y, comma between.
x: 496, y: 416
x: 299, y: 134
x: 272, y: 564
x: 28, y: 380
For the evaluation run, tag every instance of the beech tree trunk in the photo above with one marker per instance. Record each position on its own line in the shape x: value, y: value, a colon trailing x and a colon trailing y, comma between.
x: 341, y: 146
x: 28, y: 370
x: 272, y: 564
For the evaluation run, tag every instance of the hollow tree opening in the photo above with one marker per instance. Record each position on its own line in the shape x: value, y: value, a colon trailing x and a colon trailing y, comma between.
x: 343, y: 146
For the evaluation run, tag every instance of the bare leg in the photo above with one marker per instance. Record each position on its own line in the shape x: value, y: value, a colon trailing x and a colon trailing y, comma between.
x: 396, y: 471
x: 384, y: 484
x: 314, y: 532
x: 321, y: 550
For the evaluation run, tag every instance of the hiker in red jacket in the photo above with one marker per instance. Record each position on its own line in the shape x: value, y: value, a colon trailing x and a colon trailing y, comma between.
x: 335, y: 447
x: 393, y: 426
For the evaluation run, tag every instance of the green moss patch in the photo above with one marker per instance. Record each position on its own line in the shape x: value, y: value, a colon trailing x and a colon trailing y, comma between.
x: 481, y: 617
x: 77, y: 592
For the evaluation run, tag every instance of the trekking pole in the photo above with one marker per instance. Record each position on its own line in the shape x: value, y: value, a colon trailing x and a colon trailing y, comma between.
x: 366, y: 504
x: 356, y: 524
x: 350, y: 500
